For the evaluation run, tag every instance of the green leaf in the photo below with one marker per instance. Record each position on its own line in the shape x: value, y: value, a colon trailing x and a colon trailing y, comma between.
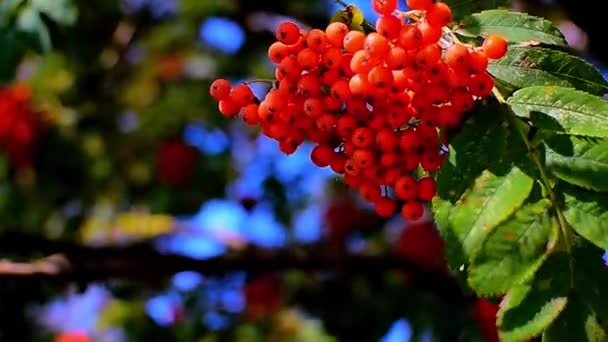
x: 527, y: 310
x: 515, y: 250
x: 61, y: 11
x: 461, y: 8
x: 8, y: 8
x: 30, y: 22
x: 533, y: 66
x: 562, y: 110
x: 494, y: 196
x: 578, y: 322
x: 587, y: 213
x: 514, y: 26
x: 482, y: 139
x: 10, y: 58
x: 591, y: 280
x: 579, y: 161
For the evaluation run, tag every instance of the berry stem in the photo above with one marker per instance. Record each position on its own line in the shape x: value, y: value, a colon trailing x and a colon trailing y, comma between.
x: 261, y: 80
x: 545, y: 179
x: 413, y: 15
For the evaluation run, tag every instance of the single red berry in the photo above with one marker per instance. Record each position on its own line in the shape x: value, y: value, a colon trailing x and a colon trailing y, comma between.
x: 439, y: 14
x: 220, y: 89
x: 406, y: 188
x: 494, y: 46
x: 322, y: 155
x: 412, y: 210
x: 384, y: 7
x: 419, y: 4
x: 288, y: 33
x: 385, y: 206
x: 426, y: 188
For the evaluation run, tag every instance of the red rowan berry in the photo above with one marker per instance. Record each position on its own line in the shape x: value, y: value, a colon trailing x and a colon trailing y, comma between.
x: 278, y: 131
x: 220, y: 89
x: 265, y: 114
x: 388, y: 26
x: 331, y: 103
x: 461, y: 99
x: 481, y: 84
x: 439, y: 14
x: 478, y: 62
x: 391, y: 175
x: 354, y: 41
x: 397, y: 116
x: 309, y: 85
x: 332, y: 58
x: 381, y: 78
x: 457, y: 56
x: 370, y: 192
x: 408, y: 141
x: 275, y: 101
x: 242, y: 95
x: 389, y: 159
x: 384, y: 7
x: 406, y: 188
x: 448, y: 117
x: 345, y: 126
x: 396, y: 58
x: 494, y: 46
x: 288, y: 146
x: 430, y: 34
x: 288, y: 33
x: 376, y: 45
x: 426, y: 188
x: 410, y: 161
x: 277, y: 52
x: 340, y: 90
x: 353, y: 181
x: 335, y: 33
x: 321, y: 155
x: 386, y: 139
x: 317, y: 40
x: 338, y: 162
x: 249, y: 114
x: 385, y: 206
x: 308, y: 59
x: 363, y: 158
x: 410, y: 37
x: 362, y: 62
x: 431, y: 161
x: 350, y: 167
x: 363, y: 137
x: 326, y: 122
x: 313, y: 107
x: 228, y: 108
x: 299, y: 45
x: 428, y: 55
x: 412, y: 210
x: 289, y: 68
x: 359, y: 85
x: 419, y: 4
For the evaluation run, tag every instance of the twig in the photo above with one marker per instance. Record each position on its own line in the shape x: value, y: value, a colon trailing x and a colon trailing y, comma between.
x: 142, y: 262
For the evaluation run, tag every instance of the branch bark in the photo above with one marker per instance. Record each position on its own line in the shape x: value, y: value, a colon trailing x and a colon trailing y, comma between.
x: 70, y: 262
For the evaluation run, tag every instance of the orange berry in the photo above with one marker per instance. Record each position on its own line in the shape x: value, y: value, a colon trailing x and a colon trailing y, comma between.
x: 494, y: 46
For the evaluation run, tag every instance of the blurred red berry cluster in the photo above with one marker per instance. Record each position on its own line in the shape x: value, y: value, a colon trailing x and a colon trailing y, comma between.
x: 19, y: 126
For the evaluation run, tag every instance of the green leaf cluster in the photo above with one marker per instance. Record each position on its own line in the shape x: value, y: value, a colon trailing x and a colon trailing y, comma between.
x: 523, y: 198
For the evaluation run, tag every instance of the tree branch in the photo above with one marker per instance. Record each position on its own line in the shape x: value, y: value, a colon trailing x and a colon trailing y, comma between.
x: 70, y: 262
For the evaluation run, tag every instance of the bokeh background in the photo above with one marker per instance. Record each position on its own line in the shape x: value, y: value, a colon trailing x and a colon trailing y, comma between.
x: 116, y: 142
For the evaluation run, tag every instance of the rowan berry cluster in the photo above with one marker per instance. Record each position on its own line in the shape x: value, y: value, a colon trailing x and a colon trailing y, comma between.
x: 19, y: 126
x: 373, y: 103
